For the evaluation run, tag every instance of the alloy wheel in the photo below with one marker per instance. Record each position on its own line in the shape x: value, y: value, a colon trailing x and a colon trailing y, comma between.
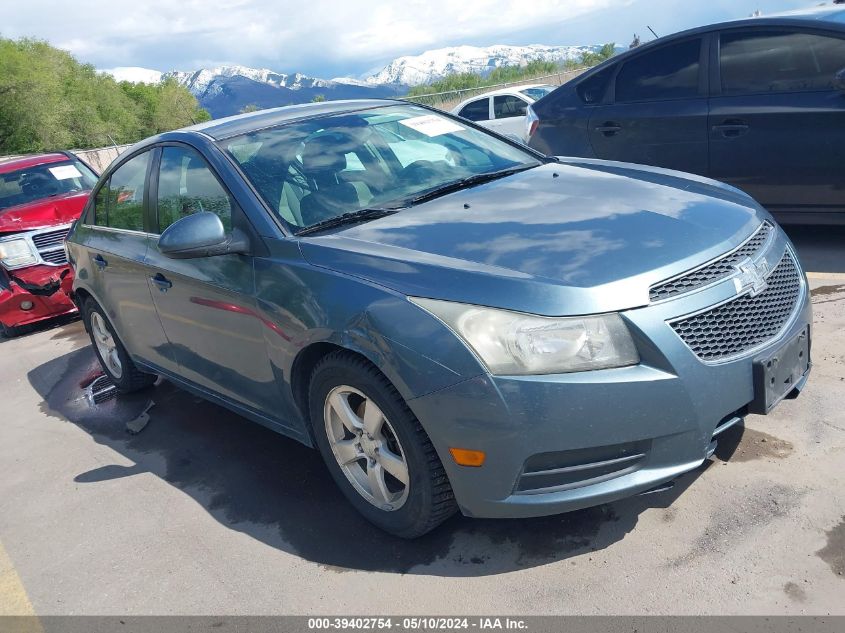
x: 106, y: 345
x: 366, y: 448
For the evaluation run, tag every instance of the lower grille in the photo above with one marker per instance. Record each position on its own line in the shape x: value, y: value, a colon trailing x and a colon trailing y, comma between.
x: 746, y: 322
x: 562, y: 470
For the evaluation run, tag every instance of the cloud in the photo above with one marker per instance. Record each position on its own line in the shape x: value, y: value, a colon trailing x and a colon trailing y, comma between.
x: 327, y: 37
x: 282, y: 35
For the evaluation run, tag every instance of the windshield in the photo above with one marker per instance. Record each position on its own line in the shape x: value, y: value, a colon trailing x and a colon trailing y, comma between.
x: 44, y: 181
x: 315, y: 170
x: 537, y: 92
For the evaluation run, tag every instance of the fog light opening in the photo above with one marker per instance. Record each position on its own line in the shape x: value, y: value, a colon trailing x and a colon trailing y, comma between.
x: 27, y: 305
x: 467, y: 457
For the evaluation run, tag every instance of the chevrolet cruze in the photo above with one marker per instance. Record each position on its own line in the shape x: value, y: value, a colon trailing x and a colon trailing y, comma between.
x: 455, y: 321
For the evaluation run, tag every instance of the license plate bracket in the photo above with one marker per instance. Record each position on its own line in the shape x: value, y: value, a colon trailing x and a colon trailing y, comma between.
x: 777, y: 374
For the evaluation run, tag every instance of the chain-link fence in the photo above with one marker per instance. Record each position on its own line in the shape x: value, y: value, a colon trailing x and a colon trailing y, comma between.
x: 449, y: 99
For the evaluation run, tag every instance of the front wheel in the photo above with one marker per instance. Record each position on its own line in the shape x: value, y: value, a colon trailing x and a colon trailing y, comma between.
x: 375, y: 448
x: 113, y: 356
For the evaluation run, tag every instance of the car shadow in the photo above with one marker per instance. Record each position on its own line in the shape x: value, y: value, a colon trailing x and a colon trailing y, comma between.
x: 256, y: 481
x: 819, y: 247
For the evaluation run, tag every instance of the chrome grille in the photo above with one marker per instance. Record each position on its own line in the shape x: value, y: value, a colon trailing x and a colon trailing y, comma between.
x: 746, y: 322
x: 50, y: 246
x: 714, y: 271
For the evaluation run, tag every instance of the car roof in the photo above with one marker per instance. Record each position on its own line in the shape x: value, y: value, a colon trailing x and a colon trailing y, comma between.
x: 500, y: 91
x: 829, y: 16
x: 8, y: 165
x: 261, y: 119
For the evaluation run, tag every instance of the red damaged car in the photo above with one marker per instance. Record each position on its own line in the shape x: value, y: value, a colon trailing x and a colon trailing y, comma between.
x: 40, y: 197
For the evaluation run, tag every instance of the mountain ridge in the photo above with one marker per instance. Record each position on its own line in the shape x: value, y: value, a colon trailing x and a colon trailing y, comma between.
x: 227, y: 89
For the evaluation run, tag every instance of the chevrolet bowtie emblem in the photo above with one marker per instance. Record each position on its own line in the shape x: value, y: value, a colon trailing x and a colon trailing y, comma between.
x: 751, y: 276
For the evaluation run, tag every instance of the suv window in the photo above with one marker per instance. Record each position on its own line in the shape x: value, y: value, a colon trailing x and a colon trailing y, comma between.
x: 778, y: 61
x: 671, y: 72
x: 476, y: 110
x: 120, y: 201
x: 186, y: 185
x: 592, y: 89
x: 506, y: 106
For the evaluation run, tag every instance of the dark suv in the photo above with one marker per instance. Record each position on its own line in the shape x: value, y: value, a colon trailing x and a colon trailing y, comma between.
x: 757, y: 103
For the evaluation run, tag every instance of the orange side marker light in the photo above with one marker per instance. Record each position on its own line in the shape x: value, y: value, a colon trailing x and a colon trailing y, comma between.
x: 467, y: 457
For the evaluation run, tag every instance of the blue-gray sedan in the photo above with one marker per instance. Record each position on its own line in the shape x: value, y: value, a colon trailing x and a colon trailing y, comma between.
x: 455, y: 321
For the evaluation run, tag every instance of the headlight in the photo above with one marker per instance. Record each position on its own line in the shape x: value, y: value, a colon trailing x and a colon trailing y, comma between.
x: 513, y: 343
x: 16, y: 253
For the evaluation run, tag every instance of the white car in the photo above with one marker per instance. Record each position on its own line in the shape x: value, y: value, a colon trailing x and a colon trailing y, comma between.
x: 504, y: 110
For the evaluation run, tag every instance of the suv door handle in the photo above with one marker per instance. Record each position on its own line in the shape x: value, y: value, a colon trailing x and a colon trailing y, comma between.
x: 162, y: 282
x: 609, y: 128
x: 100, y: 261
x: 731, y: 128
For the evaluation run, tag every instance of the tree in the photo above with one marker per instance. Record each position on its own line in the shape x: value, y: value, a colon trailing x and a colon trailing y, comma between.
x: 50, y: 101
x: 250, y: 107
x: 318, y: 99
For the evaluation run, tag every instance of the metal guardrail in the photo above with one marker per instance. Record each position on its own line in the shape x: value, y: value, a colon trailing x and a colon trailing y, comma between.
x: 450, y: 98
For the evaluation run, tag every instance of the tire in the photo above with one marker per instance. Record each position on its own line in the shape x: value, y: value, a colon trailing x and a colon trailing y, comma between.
x: 405, y: 510
x: 125, y: 375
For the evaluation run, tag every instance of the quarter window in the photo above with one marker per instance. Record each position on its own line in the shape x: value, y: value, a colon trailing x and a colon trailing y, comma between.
x: 186, y: 185
x: 507, y: 106
x: 120, y: 202
x: 476, y: 110
x: 671, y: 72
x: 778, y: 61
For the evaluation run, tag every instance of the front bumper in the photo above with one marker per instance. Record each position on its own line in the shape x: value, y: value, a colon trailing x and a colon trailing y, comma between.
x: 46, y: 288
x: 565, y: 442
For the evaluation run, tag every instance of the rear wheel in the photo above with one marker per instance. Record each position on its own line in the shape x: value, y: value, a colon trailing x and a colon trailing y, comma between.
x: 375, y: 448
x: 113, y: 356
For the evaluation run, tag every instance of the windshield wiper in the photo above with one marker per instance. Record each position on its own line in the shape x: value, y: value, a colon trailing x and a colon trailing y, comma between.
x: 353, y: 217
x: 469, y: 181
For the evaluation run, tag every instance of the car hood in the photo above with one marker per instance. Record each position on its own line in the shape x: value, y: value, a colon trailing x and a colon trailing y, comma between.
x: 577, y: 237
x: 43, y: 213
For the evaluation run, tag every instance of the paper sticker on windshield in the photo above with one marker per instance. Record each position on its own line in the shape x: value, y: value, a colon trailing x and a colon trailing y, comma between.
x: 432, y: 125
x: 63, y: 172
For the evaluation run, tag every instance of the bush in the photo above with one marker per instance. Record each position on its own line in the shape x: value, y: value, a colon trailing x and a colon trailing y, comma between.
x: 50, y: 101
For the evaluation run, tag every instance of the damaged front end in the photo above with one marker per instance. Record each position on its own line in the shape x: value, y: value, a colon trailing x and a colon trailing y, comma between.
x: 35, y: 279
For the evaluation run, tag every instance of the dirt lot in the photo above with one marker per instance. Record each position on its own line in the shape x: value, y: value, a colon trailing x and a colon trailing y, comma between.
x: 203, y: 512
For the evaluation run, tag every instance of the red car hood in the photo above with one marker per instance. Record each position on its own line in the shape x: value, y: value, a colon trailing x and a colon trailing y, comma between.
x: 43, y: 213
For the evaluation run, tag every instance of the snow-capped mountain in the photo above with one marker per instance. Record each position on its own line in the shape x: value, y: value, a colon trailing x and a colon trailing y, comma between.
x: 134, y: 74
x: 199, y: 81
x: 225, y: 90
x: 412, y: 70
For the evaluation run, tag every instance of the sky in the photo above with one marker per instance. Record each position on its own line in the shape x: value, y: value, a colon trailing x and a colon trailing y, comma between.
x: 331, y: 38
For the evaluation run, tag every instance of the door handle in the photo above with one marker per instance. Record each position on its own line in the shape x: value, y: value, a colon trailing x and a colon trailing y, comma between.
x: 731, y: 128
x: 162, y: 282
x: 609, y: 128
x: 100, y: 261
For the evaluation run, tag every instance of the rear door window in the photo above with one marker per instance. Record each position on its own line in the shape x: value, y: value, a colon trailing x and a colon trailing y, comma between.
x: 754, y: 62
x: 506, y: 106
x: 476, y: 110
x: 670, y: 72
x: 592, y: 89
x: 124, y: 196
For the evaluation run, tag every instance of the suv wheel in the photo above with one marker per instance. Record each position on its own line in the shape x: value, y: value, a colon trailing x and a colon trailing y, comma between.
x: 375, y: 448
x: 111, y: 353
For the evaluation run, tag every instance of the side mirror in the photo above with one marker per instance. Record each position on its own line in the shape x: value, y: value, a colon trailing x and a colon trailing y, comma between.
x: 201, y: 235
x: 839, y: 80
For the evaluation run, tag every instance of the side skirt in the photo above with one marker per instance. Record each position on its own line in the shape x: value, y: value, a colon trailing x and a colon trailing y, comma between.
x: 236, y: 407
